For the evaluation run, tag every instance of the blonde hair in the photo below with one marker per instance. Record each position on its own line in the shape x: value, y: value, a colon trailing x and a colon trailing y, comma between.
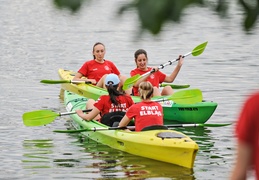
x: 145, y: 90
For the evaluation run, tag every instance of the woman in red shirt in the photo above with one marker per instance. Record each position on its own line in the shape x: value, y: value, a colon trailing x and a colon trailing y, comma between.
x: 96, y: 70
x: 154, y: 78
x: 116, y: 101
x: 147, y: 112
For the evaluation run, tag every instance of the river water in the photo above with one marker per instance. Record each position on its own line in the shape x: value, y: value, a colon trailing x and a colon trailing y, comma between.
x: 37, y: 39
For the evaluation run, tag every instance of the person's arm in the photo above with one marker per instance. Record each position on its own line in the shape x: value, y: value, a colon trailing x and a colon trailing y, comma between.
x: 124, y: 122
x: 81, y: 77
x: 172, y: 76
x: 243, y: 162
x: 88, y: 116
x: 136, y: 84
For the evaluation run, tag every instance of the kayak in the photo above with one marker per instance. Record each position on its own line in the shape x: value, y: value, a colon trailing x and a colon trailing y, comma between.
x: 163, y: 145
x: 173, y: 112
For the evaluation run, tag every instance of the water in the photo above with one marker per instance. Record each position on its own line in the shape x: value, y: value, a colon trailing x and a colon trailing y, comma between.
x: 37, y: 39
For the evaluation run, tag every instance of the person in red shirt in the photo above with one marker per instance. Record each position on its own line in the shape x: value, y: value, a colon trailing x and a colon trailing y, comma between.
x: 116, y: 101
x: 247, y: 133
x: 155, y: 78
x: 96, y: 70
x: 147, y: 112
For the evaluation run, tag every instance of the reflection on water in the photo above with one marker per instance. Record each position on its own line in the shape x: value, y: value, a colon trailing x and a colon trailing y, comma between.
x: 96, y: 160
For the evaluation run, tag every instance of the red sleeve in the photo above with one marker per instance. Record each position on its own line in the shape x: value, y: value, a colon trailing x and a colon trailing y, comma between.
x: 114, y: 68
x: 161, y: 76
x: 248, y: 123
x: 84, y: 69
x: 131, y: 113
x: 99, y: 104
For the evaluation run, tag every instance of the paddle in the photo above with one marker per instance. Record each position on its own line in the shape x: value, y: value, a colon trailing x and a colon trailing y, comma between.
x: 132, y: 80
x: 189, y: 96
x: 175, y: 86
x: 133, y: 127
x: 64, y: 81
x: 43, y: 117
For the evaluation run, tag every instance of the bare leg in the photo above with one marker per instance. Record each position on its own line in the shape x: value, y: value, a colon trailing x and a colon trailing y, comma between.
x: 167, y: 90
x: 123, y: 79
x: 101, y: 83
x: 156, y: 92
x: 90, y: 105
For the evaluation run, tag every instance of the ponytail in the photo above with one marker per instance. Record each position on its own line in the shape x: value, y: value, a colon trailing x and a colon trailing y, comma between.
x: 145, y: 90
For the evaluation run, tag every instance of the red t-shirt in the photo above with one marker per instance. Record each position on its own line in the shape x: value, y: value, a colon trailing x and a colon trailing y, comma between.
x: 146, y: 114
x: 247, y: 129
x: 105, y: 106
x: 94, y: 70
x: 155, y: 78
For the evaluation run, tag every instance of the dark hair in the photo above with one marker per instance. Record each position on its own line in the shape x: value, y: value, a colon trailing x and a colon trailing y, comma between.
x: 114, y: 93
x: 145, y: 90
x: 138, y: 52
x: 97, y: 43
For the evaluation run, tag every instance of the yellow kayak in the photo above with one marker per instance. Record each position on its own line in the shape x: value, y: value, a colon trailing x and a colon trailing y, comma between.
x: 163, y: 145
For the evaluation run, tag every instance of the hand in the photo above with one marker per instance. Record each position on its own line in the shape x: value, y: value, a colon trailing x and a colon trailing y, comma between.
x: 155, y: 69
x: 180, y: 62
x: 93, y: 81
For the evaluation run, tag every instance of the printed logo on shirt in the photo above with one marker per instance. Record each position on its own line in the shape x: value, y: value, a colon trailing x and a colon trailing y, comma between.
x: 152, y: 76
x: 95, y: 69
x: 150, y: 110
x: 119, y: 107
x: 107, y: 68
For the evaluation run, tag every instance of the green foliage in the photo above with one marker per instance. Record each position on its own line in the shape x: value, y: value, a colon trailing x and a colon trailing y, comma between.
x: 251, y: 11
x: 73, y: 5
x: 153, y: 14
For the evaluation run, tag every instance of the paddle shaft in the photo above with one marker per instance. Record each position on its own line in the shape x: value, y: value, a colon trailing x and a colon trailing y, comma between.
x: 73, y: 112
x: 165, y: 64
x: 133, y: 127
x: 46, y: 81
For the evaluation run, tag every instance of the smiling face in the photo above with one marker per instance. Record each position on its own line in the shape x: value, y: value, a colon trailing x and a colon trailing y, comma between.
x: 141, y: 62
x: 141, y: 59
x: 99, y: 52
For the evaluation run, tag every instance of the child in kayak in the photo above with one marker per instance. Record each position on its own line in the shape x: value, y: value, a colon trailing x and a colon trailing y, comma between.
x: 114, y: 104
x: 154, y: 78
x: 95, y: 70
x: 147, y: 112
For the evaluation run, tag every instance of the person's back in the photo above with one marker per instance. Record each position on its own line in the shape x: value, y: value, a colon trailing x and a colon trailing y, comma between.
x: 146, y: 113
x: 116, y: 101
x: 247, y: 133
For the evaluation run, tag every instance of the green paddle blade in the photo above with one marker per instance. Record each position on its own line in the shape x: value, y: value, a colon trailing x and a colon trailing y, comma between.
x: 190, y: 96
x: 54, y: 81
x: 215, y: 125
x: 175, y: 86
x: 39, y: 117
x: 131, y: 81
x: 199, y: 49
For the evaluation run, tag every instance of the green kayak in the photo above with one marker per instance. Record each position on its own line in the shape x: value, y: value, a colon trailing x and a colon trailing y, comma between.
x: 173, y: 112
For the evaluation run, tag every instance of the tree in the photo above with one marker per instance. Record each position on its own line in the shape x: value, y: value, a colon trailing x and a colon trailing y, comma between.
x: 153, y: 14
